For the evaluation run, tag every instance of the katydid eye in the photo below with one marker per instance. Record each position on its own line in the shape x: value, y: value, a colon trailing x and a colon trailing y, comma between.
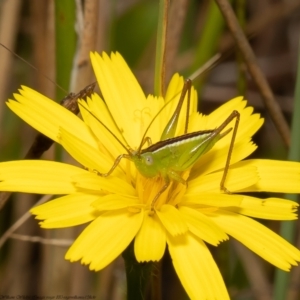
x: 149, y: 160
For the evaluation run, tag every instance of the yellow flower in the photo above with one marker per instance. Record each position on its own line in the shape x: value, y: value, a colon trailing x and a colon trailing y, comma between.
x: 120, y: 207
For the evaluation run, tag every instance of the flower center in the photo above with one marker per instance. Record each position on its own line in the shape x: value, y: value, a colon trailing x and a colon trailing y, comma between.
x: 154, y: 192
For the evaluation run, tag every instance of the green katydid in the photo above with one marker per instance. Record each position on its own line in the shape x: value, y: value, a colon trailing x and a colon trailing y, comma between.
x: 171, y: 156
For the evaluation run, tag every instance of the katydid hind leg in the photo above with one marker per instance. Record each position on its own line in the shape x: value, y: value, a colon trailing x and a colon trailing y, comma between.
x: 170, y: 129
x: 188, y: 104
x: 234, y: 115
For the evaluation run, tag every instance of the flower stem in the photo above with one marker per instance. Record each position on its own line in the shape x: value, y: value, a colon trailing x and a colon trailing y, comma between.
x: 138, y: 275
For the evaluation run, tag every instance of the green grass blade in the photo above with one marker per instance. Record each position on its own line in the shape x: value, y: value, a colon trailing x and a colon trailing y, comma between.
x: 159, y: 76
x: 65, y: 45
x: 209, y: 40
x: 65, y: 39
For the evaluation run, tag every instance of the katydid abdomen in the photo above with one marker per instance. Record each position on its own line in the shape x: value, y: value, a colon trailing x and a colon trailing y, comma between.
x: 175, y: 154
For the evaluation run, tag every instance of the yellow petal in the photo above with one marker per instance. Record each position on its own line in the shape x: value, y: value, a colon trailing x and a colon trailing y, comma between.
x: 47, y: 116
x: 38, y: 176
x: 196, y: 268
x: 88, y: 156
x: 248, y: 125
x: 155, y: 115
x: 222, y: 112
x: 173, y: 94
x: 236, y: 180
x: 172, y: 97
x: 92, y: 182
x: 270, y: 208
x: 202, y: 226
x: 243, y: 146
x: 211, y: 199
x: 258, y: 238
x: 275, y: 176
x: 122, y: 93
x: 95, y: 111
x: 150, y: 242
x: 172, y: 220
x: 213, y: 119
x: 67, y: 211
x: 215, y: 159
x: 101, y: 242
x: 115, y: 201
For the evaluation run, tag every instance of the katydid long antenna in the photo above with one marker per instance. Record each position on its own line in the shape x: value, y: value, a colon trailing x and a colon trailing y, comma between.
x: 106, y: 127
x: 208, y: 65
x: 33, y: 67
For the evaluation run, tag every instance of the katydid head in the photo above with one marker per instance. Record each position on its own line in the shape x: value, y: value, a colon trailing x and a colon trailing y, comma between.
x: 145, y: 164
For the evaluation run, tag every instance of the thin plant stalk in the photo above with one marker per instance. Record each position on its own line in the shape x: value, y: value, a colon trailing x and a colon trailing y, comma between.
x: 160, y: 58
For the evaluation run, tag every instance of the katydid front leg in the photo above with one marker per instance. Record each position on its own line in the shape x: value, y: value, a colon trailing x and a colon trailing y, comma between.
x: 116, y: 163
